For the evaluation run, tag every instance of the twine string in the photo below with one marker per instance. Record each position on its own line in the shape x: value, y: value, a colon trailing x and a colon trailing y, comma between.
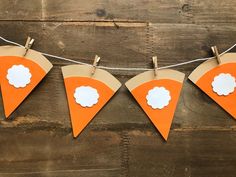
x: 120, y: 68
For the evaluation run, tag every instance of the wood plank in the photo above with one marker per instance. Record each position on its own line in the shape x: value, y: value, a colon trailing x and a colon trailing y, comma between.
x: 186, y: 42
x: 21, y: 10
x: 135, y: 10
x: 84, y: 40
x: 156, y: 11
x: 130, y: 42
x: 53, y: 152
x: 188, y: 153
x: 218, y: 12
x: 96, y: 10
x: 129, y: 47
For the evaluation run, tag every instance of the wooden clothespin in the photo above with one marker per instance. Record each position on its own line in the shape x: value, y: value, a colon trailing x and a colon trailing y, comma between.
x: 154, y: 59
x: 28, y: 44
x: 216, y: 53
x: 95, y: 63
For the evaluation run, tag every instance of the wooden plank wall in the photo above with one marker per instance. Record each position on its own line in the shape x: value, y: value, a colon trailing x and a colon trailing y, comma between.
x: 120, y: 141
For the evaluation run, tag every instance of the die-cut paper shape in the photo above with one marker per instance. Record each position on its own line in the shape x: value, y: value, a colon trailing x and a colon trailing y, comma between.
x: 18, y: 76
x: 223, y: 84
x: 205, y: 74
x: 158, y: 97
x: 172, y: 81
x: 38, y: 66
x: 76, y: 76
x: 86, y: 96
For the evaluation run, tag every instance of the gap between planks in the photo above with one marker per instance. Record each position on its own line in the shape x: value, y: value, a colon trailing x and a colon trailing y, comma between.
x: 60, y: 171
x: 108, y: 23
x: 58, y: 126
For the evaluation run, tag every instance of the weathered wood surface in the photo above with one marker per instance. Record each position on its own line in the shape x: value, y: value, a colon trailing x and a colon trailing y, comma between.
x: 120, y: 141
x: 156, y: 11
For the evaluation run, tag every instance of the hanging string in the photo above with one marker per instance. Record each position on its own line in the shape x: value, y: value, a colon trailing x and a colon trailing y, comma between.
x: 117, y: 68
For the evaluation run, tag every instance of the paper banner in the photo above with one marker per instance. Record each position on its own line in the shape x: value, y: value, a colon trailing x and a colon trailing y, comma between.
x: 158, y: 97
x: 19, y: 75
x: 87, y: 93
x: 218, y: 81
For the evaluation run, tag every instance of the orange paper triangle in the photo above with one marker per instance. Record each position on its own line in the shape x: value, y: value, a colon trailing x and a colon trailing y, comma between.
x: 38, y: 66
x: 76, y: 76
x: 205, y: 73
x: 140, y: 85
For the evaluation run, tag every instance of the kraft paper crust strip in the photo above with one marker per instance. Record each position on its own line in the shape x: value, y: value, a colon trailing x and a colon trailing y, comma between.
x: 149, y: 75
x: 210, y: 64
x: 85, y: 71
x: 32, y: 55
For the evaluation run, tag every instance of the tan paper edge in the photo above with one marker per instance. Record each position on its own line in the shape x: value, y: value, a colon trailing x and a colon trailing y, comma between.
x: 210, y: 64
x: 149, y: 75
x: 32, y: 55
x: 85, y: 71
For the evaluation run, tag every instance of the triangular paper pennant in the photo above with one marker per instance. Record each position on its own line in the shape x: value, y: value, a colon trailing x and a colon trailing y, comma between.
x: 87, y: 93
x: 218, y: 81
x: 20, y: 74
x: 158, y: 97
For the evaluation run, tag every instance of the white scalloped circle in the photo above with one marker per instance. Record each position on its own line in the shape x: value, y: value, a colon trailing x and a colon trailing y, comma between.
x: 18, y: 76
x: 223, y: 84
x: 86, y: 96
x: 158, y: 97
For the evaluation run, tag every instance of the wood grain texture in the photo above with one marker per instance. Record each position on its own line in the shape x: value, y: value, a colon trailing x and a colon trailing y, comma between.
x: 53, y: 152
x: 155, y: 11
x: 120, y: 141
x: 187, y: 153
x: 96, y: 10
x: 116, y: 153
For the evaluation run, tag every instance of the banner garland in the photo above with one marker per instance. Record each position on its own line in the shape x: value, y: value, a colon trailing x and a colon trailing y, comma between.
x: 157, y: 93
x: 89, y: 87
x: 21, y: 70
x: 88, y: 90
x: 217, y: 79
